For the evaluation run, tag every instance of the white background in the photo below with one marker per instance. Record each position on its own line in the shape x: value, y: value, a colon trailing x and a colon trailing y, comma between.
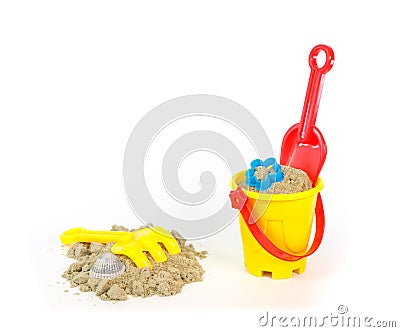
x: 76, y: 76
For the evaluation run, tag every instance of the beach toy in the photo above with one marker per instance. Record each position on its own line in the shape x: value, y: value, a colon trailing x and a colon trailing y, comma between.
x: 303, y: 145
x: 131, y: 244
x: 274, y: 174
x: 276, y: 228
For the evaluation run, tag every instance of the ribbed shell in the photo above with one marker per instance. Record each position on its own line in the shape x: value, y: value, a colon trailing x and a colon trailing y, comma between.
x: 107, y: 266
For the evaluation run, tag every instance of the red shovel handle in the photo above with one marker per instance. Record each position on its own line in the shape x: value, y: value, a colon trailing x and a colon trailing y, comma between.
x: 314, y: 89
x: 239, y: 201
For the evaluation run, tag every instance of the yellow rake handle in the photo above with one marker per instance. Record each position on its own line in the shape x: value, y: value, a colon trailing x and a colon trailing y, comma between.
x: 81, y: 234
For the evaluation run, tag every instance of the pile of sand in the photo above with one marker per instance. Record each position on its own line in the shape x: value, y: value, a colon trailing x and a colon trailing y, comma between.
x: 295, y: 180
x: 165, y: 279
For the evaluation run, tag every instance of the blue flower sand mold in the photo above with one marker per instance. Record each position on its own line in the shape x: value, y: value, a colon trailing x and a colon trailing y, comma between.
x: 262, y: 174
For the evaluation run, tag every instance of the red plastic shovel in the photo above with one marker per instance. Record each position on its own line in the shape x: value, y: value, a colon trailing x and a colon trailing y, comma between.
x: 304, y: 146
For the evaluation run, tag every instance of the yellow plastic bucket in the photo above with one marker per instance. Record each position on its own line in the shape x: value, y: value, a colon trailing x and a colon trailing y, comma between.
x: 286, y: 220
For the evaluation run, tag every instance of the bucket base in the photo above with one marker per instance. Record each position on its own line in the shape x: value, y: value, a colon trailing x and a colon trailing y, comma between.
x: 258, y: 261
x: 279, y: 270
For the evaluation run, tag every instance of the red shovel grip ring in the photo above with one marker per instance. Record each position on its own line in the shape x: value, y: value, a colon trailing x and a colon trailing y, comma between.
x: 240, y: 202
x: 330, y: 58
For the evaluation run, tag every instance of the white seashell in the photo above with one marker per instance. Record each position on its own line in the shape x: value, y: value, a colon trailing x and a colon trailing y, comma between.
x: 107, y: 266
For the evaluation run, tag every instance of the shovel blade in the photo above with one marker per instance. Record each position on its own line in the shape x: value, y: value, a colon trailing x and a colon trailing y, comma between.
x: 308, y: 156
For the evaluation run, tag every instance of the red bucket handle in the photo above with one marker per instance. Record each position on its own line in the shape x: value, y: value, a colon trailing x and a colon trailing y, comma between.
x: 239, y: 201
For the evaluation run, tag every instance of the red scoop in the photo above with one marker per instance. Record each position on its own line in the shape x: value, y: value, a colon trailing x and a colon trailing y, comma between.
x: 304, y: 146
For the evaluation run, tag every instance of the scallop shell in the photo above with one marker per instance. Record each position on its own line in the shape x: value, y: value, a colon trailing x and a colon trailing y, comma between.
x: 107, y: 266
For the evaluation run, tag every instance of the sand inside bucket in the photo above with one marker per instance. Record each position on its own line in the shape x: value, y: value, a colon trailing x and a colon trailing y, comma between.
x: 295, y: 181
x: 165, y: 279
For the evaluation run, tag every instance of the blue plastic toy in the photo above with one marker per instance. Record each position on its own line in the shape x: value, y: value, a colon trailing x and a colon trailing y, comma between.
x: 276, y: 174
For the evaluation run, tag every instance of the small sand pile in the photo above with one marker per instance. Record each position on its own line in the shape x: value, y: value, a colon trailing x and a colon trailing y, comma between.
x: 165, y: 279
x: 295, y: 180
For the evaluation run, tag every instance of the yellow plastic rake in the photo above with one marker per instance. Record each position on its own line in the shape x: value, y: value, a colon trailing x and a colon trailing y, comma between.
x: 131, y: 244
